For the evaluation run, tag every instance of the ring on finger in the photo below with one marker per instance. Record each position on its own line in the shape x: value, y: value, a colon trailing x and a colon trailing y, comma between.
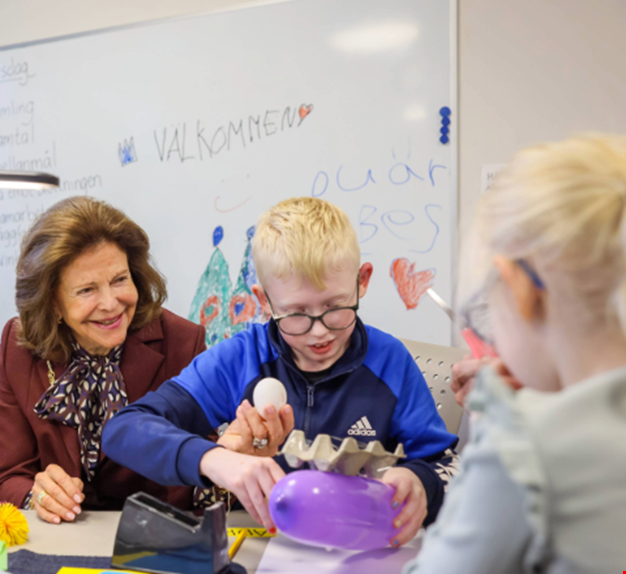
x: 42, y: 494
x: 259, y: 442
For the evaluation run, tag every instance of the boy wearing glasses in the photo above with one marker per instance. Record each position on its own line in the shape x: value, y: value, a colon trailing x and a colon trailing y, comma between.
x: 343, y: 378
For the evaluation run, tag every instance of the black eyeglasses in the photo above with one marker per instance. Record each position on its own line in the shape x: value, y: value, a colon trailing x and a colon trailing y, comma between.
x: 336, y: 319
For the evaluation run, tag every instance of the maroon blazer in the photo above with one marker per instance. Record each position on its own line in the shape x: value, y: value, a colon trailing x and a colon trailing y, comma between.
x: 28, y: 444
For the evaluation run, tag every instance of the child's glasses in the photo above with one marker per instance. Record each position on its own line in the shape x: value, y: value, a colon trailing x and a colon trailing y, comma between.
x: 475, y: 319
x: 336, y: 319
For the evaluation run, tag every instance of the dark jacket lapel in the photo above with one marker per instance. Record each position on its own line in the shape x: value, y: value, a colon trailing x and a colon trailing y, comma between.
x: 142, y: 358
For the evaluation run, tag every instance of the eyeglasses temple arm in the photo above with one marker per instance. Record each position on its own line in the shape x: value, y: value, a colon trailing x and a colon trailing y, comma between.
x: 478, y: 347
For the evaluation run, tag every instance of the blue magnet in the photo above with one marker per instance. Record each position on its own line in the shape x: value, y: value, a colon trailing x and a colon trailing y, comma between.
x: 445, y: 121
x: 444, y: 139
x: 445, y: 111
x: 444, y: 131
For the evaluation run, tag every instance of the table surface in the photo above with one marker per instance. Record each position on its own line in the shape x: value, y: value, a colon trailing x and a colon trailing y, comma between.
x: 93, y: 534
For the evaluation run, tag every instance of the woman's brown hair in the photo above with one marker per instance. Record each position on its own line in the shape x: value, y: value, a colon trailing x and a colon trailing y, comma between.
x: 59, y: 235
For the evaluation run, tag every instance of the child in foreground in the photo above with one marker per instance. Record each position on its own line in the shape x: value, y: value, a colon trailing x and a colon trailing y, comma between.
x: 343, y: 378
x: 543, y: 481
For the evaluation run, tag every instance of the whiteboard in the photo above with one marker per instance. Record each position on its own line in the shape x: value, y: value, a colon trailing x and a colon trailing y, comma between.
x: 195, y: 126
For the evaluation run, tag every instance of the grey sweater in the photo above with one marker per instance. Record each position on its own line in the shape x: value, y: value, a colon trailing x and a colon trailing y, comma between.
x: 542, y: 487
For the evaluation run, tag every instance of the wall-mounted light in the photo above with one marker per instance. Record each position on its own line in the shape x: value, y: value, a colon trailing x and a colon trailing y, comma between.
x: 27, y: 180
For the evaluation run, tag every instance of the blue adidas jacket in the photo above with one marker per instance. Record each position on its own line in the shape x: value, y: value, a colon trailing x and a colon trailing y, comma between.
x: 376, y: 383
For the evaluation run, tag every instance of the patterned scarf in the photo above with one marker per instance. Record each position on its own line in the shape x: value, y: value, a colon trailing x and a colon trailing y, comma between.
x: 85, y: 397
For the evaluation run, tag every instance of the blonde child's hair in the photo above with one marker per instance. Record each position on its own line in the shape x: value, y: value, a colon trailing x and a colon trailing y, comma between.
x: 304, y: 237
x: 560, y: 206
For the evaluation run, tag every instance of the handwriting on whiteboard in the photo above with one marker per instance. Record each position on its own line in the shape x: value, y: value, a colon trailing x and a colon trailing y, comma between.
x: 402, y: 224
x: 201, y: 142
x: 15, y: 72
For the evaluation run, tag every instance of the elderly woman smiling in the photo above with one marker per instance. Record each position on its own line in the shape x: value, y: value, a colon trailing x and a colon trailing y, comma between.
x: 91, y: 337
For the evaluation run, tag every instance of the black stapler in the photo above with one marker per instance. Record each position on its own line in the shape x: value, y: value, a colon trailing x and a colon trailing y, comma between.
x: 153, y: 536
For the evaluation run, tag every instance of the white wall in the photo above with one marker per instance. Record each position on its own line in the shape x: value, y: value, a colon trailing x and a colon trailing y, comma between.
x: 529, y: 70
x: 535, y: 70
x: 27, y: 20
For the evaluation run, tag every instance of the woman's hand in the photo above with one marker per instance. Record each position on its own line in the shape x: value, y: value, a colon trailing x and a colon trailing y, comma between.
x: 249, y: 425
x: 250, y: 479
x: 409, y: 489
x: 57, y: 495
x: 464, y: 372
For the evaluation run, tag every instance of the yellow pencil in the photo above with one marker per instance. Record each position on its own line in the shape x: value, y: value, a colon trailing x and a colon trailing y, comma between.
x: 237, y: 543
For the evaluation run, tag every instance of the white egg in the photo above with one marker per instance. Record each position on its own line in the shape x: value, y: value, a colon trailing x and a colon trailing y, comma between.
x: 269, y: 391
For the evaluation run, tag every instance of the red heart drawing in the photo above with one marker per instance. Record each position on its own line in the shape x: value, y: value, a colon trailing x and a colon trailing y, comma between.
x: 305, y: 111
x: 411, y: 286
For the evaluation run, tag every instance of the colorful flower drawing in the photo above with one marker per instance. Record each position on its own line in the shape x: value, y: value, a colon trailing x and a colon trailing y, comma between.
x: 223, y: 310
x: 213, y: 291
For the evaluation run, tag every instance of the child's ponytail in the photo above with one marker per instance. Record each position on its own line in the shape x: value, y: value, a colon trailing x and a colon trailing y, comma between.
x: 562, y: 207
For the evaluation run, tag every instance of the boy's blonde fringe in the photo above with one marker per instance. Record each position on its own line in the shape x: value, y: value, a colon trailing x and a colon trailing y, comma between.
x: 304, y: 237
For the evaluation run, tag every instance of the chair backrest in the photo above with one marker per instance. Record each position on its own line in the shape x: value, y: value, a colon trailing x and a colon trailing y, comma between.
x: 435, y: 362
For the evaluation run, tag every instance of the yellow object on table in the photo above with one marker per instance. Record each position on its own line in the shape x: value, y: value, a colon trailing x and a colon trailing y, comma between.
x: 250, y: 532
x: 13, y: 525
x: 237, y: 543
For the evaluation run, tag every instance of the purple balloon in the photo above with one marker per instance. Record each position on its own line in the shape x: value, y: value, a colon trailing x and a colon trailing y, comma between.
x: 333, y: 510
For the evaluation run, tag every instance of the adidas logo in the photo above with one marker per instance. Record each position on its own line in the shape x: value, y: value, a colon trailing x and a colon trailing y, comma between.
x: 362, y: 427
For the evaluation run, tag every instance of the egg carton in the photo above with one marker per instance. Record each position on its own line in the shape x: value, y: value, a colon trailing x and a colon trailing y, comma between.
x: 350, y: 458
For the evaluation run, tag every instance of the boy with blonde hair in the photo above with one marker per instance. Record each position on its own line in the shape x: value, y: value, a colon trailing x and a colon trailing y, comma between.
x: 342, y: 377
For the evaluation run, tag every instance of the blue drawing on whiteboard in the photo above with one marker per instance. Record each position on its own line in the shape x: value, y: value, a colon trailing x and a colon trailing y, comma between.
x: 394, y: 221
x: 403, y: 217
x: 126, y: 152
x: 402, y: 178
x: 244, y: 308
x: 400, y: 173
x: 368, y: 178
x: 220, y: 308
x: 218, y: 235
x: 432, y: 243
x: 210, y: 304
x: 431, y: 168
x: 322, y: 178
x: 372, y: 227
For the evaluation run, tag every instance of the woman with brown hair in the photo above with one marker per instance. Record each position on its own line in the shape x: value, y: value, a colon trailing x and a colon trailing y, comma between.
x: 91, y: 337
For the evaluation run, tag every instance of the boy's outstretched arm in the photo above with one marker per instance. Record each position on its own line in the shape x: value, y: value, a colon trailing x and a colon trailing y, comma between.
x: 161, y: 436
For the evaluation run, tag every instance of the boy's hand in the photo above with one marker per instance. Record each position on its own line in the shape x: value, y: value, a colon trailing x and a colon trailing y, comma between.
x: 464, y: 372
x: 409, y: 489
x: 250, y: 479
x: 249, y: 425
